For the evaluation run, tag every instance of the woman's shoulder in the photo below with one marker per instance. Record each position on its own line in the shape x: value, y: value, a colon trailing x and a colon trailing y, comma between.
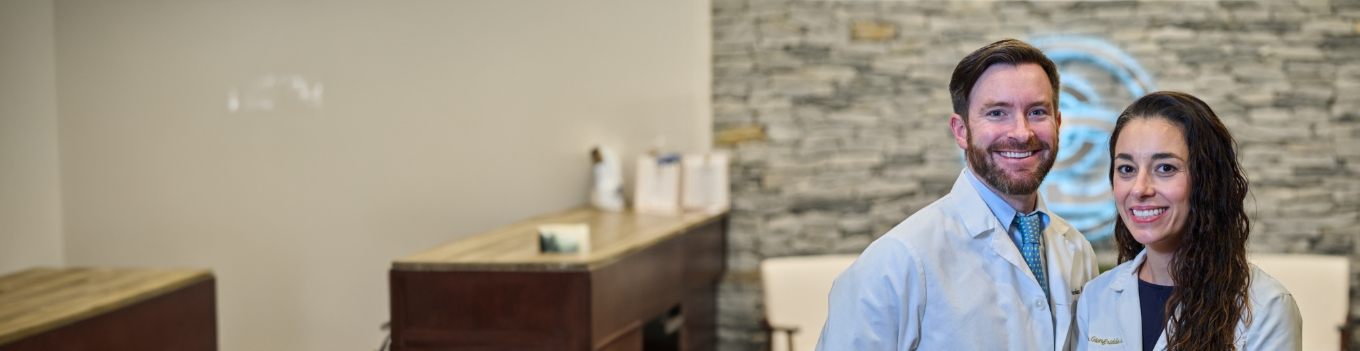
x: 1274, y: 322
x: 1264, y: 288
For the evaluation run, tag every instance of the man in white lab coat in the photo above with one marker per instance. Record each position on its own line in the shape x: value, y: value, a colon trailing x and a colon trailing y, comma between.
x: 986, y: 267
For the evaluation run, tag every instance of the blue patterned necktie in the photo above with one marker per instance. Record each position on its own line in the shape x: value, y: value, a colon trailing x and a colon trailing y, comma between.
x: 1032, y: 246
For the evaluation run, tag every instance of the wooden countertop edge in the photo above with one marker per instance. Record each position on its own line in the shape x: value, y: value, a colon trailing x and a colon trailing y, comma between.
x: 199, y: 275
x: 550, y: 266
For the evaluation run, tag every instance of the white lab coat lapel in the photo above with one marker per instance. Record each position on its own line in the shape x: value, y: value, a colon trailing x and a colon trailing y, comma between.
x: 1004, y: 247
x: 1059, y: 252
x: 1130, y: 313
x: 978, y: 220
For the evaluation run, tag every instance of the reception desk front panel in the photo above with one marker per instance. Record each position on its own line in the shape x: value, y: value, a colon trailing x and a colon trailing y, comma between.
x: 495, y: 291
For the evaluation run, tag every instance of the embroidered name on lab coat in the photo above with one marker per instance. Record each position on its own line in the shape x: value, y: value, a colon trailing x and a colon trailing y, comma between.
x: 1104, y: 341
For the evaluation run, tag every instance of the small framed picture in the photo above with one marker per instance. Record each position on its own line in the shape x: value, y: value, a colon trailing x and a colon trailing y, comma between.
x: 564, y: 238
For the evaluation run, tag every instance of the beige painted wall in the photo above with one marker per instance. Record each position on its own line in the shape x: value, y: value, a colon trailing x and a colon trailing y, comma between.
x: 30, y: 181
x: 439, y: 119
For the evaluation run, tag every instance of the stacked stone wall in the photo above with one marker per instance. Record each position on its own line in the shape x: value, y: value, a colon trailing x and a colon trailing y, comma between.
x: 836, y: 113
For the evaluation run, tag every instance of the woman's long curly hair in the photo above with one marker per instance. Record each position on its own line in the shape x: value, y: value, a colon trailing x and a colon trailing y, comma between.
x: 1210, y: 266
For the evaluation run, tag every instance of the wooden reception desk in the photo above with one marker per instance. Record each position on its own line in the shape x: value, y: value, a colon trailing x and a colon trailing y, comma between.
x: 52, y: 309
x: 495, y: 291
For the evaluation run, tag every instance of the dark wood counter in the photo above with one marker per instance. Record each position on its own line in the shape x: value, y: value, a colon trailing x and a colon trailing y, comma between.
x: 496, y: 291
x: 108, y: 309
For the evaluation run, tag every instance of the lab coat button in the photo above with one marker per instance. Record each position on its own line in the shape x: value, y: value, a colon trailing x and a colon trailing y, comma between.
x: 1039, y: 304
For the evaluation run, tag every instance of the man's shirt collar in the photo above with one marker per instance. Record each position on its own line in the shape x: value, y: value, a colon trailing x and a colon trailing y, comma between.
x: 1000, y: 208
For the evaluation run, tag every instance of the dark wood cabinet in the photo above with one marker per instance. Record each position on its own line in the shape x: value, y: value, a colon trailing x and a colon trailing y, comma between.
x: 495, y: 291
x: 56, y: 309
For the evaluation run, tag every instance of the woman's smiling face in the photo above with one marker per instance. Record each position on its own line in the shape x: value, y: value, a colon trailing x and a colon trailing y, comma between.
x: 1151, y: 181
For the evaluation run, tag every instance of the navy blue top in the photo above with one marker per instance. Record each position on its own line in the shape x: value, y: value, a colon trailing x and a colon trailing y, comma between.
x: 1153, y: 298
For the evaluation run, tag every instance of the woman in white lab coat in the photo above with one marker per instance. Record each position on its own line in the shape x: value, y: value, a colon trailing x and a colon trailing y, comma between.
x: 1184, y: 282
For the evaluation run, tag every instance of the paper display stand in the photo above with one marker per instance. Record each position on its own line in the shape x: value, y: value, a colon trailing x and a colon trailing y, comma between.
x: 667, y: 184
x: 658, y: 184
x: 704, y: 183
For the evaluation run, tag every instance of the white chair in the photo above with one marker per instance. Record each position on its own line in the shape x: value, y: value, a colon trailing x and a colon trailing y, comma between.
x: 796, y: 290
x: 1321, y: 286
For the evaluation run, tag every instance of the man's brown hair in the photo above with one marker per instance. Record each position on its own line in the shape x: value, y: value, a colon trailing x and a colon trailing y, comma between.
x: 1007, y: 51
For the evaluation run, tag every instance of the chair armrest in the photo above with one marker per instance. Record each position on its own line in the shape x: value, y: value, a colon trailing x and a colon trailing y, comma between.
x: 1344, y: 331
x: 770, y: 329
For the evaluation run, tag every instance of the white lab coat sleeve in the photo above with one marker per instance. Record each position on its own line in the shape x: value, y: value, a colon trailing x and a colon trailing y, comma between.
x: 1276, y: 325
x: 876, y: 303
